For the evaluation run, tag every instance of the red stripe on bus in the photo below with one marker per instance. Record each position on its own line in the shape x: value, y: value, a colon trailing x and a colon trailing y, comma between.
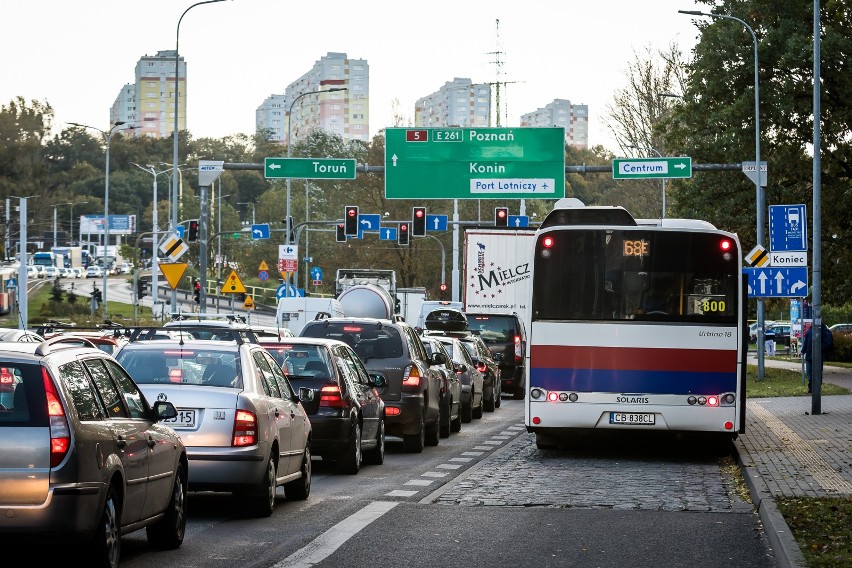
x: 632, y: 358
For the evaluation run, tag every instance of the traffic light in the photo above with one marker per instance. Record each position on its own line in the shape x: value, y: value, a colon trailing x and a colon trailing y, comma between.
x: 141, y: 289
x: 350, y: 220
x: 501, y: 216
x: 402, y: 235
x: 443, y: 290
x: 192, y: 234
x: 341, y: 233
x: 418, y: 222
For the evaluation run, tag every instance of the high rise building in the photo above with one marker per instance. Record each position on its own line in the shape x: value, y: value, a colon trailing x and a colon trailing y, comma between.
x: 560, y: 112
x: 459, y: 102
x: 344, y: 113
x: 149, y: 103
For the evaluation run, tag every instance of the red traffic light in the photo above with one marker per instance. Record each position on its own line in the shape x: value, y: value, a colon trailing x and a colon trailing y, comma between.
x: 443, y: 287
x: 419, y: 212
x: 403, y: 227
x: 351, y: 212
x: 501, y: 216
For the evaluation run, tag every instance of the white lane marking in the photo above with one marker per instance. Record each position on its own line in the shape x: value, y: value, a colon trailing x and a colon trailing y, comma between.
x: 493, y: 442
x: 400, y: 493
x: 448, y: 466
x: 508, y: 433
x: 472, y: 453
x: 501, y: 437
x: 419, y: 482
x: 483, y: 448
x: 435, y: 474
x: 463, y: 460
x: 325, y: 544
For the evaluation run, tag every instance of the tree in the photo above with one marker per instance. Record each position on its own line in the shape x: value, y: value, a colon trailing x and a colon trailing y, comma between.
x: 714, y: 123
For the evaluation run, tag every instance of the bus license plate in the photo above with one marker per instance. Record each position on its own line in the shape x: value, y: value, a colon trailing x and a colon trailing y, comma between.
x: 184, y: 419
x: 639, y: 418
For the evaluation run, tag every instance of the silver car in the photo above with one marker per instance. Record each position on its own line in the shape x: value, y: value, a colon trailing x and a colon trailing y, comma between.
x: 84, y: 459
x: 472, y: 381
x: 245, y: 429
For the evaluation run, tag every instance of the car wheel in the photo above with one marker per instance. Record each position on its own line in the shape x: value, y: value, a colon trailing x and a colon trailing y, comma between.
x: 106, y: 544
x: 499, y: 399
x: 300, y: 489
x: 477, y: 412
x: 261, y: 502
x: 467, y: 411
x: 376, y: 456
x: 349, y: 460
x: 445, y: 416
x: 490, y: 404
x: 414, y: 443
x: 167, y: 533
x: 433, y: 433
x: 455, y: 423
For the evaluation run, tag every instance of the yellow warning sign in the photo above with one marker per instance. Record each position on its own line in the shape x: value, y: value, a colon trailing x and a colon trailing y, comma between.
x: 263, y: 265
x: 233, y: 284
x: 173, y: 272
x: 248, y: 304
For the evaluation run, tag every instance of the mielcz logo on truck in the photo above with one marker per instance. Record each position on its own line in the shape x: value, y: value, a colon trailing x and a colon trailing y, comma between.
x: 498, y: 266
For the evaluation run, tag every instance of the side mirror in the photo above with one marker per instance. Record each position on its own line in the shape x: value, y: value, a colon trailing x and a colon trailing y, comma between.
x: 306, y: 394
x: 165, y: 410
x: 438, y: 358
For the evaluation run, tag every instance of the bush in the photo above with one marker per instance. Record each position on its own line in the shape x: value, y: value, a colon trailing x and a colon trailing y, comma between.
x: 842, y: 348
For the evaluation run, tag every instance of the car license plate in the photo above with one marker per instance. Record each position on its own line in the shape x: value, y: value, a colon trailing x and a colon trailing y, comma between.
x: 639, y: 418
x: 184, y: 419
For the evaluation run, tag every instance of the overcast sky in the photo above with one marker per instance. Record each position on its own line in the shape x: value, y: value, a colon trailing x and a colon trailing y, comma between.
x: 77, y: 55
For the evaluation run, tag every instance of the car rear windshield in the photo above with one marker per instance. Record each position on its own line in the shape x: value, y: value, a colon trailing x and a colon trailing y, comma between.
x: 368, y: 340
x: 301, y: 361
x: 188, y: 365
x: 21, y: 394
x: 493, y: 329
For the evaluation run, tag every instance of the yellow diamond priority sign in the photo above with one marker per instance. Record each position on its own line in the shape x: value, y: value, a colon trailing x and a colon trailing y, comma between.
x: 233, y: 284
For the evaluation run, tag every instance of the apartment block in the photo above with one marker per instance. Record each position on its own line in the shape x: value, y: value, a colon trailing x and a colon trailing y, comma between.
x: 149, y: 102
x: 304, y: 109
x: 459, y: 102
x: 560, y: 112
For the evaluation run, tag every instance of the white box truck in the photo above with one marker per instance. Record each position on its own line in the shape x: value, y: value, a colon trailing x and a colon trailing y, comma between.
x: 295, y: 311
x: 498, y: 271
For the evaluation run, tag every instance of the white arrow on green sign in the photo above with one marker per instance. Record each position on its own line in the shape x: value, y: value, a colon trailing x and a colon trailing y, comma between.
x: 309, y: 168
x: 644, y: 168
x: 474, y: 163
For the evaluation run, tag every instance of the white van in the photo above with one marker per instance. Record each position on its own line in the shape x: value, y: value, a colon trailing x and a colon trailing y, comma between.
x: 294, y: 312
x: 430, y: 305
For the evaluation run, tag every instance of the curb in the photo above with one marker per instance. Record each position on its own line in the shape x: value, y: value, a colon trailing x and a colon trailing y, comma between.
x: 787, y: 551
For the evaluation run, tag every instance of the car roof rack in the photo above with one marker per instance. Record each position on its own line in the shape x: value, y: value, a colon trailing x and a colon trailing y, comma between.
x: 240, y: 335
x: 62, y: 342
x: 200, y: 316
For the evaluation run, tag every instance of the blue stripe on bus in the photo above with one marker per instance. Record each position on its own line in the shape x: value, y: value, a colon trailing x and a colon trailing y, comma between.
x: 621, y: 381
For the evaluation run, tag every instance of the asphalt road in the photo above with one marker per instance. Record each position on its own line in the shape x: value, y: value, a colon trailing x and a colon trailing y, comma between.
x: 486, y: 497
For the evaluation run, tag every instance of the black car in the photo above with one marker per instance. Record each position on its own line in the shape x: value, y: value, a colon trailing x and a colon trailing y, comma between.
x: 412, y: 394
x: 504, y: 334
x: 347, y: 414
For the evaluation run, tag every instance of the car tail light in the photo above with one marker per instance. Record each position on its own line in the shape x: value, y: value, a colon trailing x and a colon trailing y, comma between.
x: 411, y: 378
x: 60, y: 434
x: 175, y: 376
x: 481, y: 367
x: 6, y: 377
x: 392, y: 411
x: 331, y: 396
x: 245, y: 428
x: 519, y: 351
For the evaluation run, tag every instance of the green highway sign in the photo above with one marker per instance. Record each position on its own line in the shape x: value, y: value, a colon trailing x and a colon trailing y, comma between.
x: 644, y: 168
x: 309, y: 168
x: 474, y: 163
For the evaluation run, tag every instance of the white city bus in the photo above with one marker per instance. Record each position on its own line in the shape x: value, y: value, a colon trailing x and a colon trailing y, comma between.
x: 635, y: 325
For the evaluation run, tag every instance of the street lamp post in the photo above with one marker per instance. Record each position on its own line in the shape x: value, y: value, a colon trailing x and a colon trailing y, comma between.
x: 664, y: 179
x: 289, y: 152
x: 219, y: 248
x: 71, y: 229
x: 54, y: 220
x: 155, y: 265
x: 758, y: 187
x: 107, y: 135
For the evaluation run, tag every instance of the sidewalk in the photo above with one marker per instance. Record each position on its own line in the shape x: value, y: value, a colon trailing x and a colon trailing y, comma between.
x: 788, y: 452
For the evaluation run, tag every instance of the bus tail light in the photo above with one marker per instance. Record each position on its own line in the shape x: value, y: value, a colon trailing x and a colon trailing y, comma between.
x: 245, y: 429
x: 60, y: 433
